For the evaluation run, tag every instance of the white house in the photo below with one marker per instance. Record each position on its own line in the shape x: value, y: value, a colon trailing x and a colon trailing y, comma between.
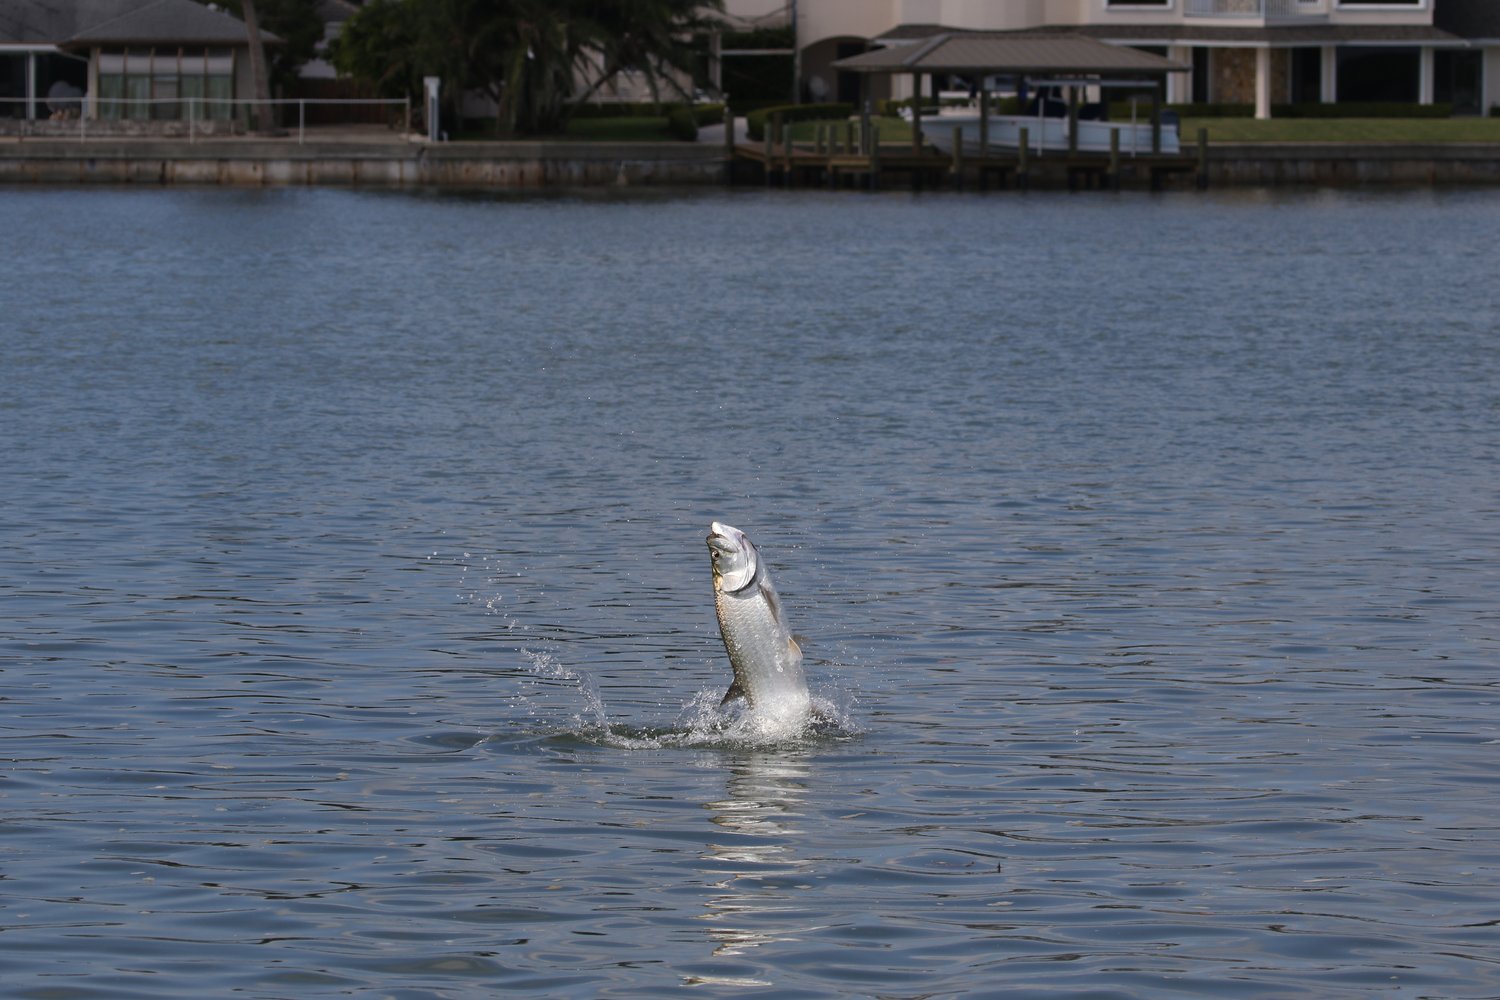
x: 1260, y: 52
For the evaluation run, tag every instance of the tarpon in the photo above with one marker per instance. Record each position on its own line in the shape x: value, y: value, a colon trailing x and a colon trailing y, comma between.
x: 767, y: 661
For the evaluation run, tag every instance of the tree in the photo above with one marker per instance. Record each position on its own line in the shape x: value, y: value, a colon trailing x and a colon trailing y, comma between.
x: 261, y: 80
x: 298, y: 29
x: 537, y: 59
x: 654, y: 37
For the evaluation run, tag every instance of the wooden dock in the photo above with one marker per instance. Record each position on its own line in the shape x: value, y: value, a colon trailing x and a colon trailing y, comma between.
x: 793, y: 164
x: 852, y: 154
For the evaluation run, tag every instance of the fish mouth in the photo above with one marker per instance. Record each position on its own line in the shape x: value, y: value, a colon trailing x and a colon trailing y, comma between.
x: 734, y: 558
x: 721, y: 538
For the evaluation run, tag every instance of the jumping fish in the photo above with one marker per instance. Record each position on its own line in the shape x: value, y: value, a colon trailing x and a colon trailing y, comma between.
x: 767, y: 661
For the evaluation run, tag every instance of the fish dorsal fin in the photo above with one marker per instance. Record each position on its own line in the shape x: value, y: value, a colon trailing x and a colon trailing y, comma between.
x: 735, y: 691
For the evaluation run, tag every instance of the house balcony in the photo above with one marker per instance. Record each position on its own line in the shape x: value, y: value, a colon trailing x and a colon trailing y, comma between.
x: 1258, y: 13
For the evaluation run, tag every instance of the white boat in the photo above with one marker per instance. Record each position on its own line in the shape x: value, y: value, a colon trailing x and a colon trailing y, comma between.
x: 1044, y: 135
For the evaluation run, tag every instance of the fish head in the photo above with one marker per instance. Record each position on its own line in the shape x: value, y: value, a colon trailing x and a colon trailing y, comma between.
x: 734, y: 557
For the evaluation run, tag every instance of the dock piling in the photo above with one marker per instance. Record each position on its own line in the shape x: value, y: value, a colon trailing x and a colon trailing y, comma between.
x: 1114, y: 160
x: 1023, y: 159
x: 728, y: 144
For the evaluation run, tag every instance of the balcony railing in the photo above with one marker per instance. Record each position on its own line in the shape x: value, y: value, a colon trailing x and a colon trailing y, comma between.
x: 1259, y: 10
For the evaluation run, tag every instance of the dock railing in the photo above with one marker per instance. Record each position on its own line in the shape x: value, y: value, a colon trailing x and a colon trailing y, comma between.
x: 1272, y: 10
x: 95, y: 118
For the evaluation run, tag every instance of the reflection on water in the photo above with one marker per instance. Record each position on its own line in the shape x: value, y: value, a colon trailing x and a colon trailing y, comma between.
x: 753, y: 902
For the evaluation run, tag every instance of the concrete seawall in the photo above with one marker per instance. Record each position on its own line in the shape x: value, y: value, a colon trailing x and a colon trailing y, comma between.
x: 1352, y: 165
x: 391, y: 163
x: 375, y: 164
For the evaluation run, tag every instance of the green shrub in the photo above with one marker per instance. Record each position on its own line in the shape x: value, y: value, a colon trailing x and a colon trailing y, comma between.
x: 756, y: 120
x: 707, y: 114
x: 682, y: 125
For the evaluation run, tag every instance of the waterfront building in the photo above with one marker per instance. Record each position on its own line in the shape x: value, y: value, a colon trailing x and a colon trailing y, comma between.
x: 1260, y: 53
x: 131, y: 61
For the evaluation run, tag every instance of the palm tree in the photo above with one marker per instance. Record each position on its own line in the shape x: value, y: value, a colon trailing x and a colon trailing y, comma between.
x: 537, y: 59
x: 649, y: 36
x: 260, y: 79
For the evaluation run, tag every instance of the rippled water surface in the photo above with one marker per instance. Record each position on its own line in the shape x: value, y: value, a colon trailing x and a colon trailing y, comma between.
x: 358, y: 635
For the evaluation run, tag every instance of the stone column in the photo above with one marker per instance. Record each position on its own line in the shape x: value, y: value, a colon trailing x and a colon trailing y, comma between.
x: 1179, y: 85
x: 1329, y: 83
x: 1425, y: 74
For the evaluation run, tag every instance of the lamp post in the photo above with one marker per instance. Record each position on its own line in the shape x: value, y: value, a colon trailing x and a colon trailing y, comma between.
x: 796, y: 57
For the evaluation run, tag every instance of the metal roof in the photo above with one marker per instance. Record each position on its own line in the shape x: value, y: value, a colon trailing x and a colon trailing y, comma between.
x: 1010, y: 52
x: 167, y: 21
x: 129, y: 22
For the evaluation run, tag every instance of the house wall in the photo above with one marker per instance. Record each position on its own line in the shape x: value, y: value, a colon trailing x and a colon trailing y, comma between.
x: 1342, y: 13
x: 1096, y: 12
x: 823, y: 19
x: 1233, y: 76
x: 819, y: 20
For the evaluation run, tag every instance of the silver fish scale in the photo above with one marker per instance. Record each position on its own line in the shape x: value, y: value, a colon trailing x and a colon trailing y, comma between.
x: 767, y: 664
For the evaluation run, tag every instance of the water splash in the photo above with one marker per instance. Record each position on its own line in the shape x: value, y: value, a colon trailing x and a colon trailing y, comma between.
x: 565, y: 704
x: 587, y: 706
x: 701, y: 723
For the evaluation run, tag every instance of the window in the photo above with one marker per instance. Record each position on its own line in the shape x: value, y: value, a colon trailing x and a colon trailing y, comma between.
x: 218, y: 83
x: 1458, y: 79
x: 1307, y: 76
x: 137, y: 84
x: 1379, y: 74
x: 164, y: 103
x: 166, y: 84
x: 111, y: 84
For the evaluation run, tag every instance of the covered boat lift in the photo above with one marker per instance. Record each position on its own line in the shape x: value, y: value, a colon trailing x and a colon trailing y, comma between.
x: 1070, y: 60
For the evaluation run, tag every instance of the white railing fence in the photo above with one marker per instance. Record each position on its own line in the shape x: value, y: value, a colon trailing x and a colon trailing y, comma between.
x: 1272, y: 9
x: 197, y: 117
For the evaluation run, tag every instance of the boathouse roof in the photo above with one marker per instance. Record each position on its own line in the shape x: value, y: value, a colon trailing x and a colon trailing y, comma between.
x: 1010, y: 52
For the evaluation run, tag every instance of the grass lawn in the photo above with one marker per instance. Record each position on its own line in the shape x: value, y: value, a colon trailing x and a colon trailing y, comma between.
x: 1417, y: 130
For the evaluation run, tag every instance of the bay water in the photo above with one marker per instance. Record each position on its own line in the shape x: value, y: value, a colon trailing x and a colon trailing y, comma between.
x: 358, y: 634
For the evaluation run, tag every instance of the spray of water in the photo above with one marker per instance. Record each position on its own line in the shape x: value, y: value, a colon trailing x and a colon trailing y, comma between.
x: 702, y: 722
x: 560, y: 702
